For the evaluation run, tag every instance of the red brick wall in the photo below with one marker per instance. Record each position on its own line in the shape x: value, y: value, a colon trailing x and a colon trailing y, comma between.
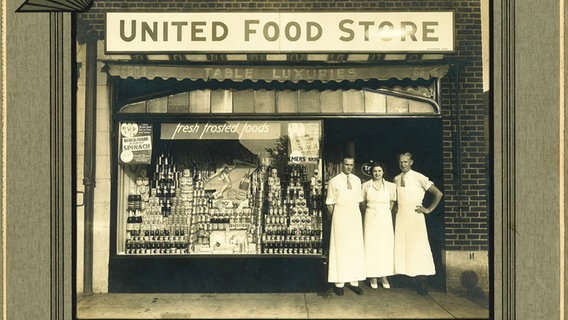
x: 466, y: 208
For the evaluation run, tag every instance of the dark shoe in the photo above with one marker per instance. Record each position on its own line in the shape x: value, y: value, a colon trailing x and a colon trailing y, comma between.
x: 423, y: 291
x: 338, y: 291
x: 355, y: 289
x: 422, y: 285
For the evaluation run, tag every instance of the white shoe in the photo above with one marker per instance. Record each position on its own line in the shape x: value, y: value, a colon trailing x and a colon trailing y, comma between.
x: 373, y: 283
x: 385, y: 282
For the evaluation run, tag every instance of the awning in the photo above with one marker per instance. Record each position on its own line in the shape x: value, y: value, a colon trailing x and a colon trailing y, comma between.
x: 275, y: 73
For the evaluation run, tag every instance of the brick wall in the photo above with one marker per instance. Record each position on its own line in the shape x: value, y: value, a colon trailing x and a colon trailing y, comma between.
x: 466, y: 205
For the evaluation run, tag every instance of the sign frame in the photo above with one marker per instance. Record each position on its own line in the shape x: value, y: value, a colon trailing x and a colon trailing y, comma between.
x: 327, y: 46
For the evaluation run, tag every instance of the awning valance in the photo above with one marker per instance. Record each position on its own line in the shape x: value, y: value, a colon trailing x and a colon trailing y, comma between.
x: 275, y: 73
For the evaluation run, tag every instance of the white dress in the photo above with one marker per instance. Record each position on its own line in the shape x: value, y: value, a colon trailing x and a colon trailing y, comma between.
x: 346, y: 248
x: 378, y: 229
x: 412, y: 253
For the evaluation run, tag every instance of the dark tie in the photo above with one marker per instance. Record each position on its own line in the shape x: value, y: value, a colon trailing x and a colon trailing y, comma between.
x: 348, y: 183
x: 402, y: 184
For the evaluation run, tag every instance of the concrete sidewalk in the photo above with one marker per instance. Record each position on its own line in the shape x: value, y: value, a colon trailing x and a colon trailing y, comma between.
x: 396, y: 303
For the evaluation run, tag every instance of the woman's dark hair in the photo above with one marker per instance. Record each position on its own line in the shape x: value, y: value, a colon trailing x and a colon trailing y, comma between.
x: 378, y: 164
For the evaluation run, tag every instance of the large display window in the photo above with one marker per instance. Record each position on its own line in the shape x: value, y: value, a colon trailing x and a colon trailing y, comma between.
x: 220, y: 187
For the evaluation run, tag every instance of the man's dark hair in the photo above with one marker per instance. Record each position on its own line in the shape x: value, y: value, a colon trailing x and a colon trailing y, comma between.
x: 405, y: 154
x: 348, y: 157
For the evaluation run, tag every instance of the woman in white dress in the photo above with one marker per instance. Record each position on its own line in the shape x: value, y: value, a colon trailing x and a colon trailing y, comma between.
x: 379, y: 196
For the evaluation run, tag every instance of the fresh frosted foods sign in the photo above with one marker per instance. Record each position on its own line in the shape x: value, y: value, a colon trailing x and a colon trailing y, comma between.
x: 279, y: 32
x: 230, y: 130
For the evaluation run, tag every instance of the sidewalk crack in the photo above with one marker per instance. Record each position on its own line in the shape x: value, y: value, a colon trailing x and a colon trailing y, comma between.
x: 441, y: 306
x: 307, y: 307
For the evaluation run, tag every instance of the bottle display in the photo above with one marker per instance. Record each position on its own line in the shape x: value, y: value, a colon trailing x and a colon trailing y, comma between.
x: 293, y: 214
x: 159, y: 212
x: 176, y: 213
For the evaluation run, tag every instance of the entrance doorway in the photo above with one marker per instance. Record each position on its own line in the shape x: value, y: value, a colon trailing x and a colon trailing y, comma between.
x: 382, y: 140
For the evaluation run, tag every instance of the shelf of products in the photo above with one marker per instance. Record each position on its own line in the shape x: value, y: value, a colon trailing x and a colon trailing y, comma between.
x: 175, y: 213
x: 292, y: 217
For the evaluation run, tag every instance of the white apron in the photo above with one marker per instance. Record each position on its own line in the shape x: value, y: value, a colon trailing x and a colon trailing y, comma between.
x: 346, y: 251
x: 379, y: 234
x: 412, y: 252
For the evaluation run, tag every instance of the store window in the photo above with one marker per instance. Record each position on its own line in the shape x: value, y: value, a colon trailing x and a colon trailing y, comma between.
x: 220, y: 187
x: 330, y: 102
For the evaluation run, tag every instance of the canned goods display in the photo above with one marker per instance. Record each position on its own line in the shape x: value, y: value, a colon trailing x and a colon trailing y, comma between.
x: 291, y: 224
x: 178, y: 212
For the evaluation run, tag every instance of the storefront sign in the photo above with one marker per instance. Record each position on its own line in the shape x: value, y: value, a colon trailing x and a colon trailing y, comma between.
x: 136, y: 143
x: 230, y: 130
x: 279, y: 32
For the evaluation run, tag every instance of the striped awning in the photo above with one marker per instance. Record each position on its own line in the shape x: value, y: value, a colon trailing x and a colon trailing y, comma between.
x: 269, y: 67
x: 240, y: 72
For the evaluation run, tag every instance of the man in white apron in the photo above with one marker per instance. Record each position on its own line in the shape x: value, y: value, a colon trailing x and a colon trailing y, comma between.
x: 346, y: 248
x: 412, y: 253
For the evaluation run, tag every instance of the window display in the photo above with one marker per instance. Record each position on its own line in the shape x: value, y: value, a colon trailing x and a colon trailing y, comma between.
x: 292, y: 221
x: 236, y: 187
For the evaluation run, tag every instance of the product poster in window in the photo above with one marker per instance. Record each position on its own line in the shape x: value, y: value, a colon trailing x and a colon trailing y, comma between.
x: 304, y: 142
x: 136, y: 143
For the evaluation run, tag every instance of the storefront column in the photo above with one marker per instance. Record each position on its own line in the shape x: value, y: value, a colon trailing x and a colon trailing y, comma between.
x: 89, y: 161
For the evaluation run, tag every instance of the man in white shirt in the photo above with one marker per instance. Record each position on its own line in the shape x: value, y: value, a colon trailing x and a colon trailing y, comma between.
x: 412, y: 253
x: 346, y: 248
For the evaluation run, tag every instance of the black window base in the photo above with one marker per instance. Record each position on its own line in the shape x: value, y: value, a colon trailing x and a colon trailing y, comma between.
x: 216, y: 275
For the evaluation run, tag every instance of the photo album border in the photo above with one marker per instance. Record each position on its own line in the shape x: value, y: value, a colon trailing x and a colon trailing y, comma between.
x: 275, y: 99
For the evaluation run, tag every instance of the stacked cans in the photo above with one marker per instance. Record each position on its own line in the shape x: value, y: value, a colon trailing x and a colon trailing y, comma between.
x: 161, y: 213
x: 201, y: 218
x: 275, y: 219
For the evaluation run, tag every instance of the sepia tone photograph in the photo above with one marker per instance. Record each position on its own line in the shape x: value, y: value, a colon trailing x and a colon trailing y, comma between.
x: 293, y: 159
x: 222, y: 141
